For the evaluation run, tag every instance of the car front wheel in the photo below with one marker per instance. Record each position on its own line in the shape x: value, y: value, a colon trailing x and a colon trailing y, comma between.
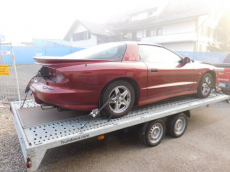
x: 122, y: 98
x: 205, y: 86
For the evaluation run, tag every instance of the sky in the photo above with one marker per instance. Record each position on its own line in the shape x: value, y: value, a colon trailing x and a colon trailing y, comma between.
x: 22, y: 20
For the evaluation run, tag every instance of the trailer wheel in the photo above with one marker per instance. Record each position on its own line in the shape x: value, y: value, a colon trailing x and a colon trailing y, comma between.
x: 155, y: 133
x: 177, y: 125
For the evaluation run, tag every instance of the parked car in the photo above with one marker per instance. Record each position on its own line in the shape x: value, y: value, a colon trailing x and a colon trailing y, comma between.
x: 128, y: 73
x: 224, y: 75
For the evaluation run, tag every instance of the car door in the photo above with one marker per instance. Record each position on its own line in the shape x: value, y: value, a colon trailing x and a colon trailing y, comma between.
x: 167, y: 75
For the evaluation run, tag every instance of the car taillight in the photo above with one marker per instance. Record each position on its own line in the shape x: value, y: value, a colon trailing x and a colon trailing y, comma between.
x: 57, y: 77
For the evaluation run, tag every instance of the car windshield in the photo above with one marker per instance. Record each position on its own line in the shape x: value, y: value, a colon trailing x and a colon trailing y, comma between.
x: 227, y: 60
x: 109, y: 51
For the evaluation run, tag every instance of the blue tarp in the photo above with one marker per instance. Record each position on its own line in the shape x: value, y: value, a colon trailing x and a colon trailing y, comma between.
x: 24, y: 55
x: 50, y: 43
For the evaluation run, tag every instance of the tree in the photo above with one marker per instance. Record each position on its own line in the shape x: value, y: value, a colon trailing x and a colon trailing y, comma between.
x: 221, y: 38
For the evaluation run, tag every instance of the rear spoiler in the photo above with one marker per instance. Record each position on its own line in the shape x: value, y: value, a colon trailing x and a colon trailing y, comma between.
x: 56, y: 62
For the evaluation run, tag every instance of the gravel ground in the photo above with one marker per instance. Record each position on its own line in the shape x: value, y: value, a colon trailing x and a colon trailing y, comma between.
x: 203, y: 147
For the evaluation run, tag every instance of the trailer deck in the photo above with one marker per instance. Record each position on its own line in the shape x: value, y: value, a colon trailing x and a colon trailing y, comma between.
x: 39, y: 130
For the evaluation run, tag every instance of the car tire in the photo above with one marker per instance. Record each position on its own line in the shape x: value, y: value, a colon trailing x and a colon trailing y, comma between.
x: 205, y: 86
x: 155, y: 133
x: 119, y: 106
x: 177, y: 125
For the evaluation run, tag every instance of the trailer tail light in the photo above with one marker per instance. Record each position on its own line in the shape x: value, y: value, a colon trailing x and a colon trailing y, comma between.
x: 28, y: 164
x: 100, y: 137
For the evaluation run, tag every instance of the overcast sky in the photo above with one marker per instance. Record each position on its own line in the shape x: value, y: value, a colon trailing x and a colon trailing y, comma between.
x: 22, y: 20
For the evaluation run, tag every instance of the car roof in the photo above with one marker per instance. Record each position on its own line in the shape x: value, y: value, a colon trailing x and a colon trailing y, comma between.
x: 143, y: 43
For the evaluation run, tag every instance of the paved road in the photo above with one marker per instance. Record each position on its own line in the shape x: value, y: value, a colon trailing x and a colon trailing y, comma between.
x: 205, y: 146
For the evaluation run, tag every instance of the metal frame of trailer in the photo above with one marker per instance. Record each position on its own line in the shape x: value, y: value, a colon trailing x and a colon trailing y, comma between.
x: 36, y: 139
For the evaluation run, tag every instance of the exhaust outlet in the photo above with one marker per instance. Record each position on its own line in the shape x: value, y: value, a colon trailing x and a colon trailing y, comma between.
x: 61, y: 109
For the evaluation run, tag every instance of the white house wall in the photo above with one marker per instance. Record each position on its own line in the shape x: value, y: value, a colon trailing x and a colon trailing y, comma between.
x: 185, y: 27
x: 180, y: 46
x: 139, y: 34
x: 80, y: 28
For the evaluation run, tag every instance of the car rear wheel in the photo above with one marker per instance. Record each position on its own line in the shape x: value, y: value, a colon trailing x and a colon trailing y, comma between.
x: 205, y: 86
x: 123, y: 96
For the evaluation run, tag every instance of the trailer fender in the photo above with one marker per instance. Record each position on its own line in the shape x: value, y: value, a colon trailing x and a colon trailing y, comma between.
x: 188, y: 113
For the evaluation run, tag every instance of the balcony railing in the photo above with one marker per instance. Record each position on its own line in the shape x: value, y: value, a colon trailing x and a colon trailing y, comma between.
x: 182, y: 37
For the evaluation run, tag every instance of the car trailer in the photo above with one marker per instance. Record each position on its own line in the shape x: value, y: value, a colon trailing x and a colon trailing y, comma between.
x: 39, y: 130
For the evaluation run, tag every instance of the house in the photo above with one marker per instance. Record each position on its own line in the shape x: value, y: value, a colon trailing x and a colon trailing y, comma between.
x: 84, y: 34
x: 178, y: 25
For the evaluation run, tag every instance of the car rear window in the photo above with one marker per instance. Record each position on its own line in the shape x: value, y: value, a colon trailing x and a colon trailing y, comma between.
x: 227, y: 59
x: 109, y: 51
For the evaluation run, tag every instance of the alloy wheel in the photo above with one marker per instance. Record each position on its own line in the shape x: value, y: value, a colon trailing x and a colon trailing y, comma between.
x: 121, y: 100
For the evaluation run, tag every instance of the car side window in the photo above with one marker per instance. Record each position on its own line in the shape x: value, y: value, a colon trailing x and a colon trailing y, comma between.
x: 149, y: 53
x: 227, y: 59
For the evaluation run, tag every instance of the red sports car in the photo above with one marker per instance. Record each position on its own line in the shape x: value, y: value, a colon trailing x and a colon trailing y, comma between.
x: 127, y: 73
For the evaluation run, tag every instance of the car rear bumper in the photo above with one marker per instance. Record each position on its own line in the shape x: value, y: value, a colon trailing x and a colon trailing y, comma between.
x: 64, y: 97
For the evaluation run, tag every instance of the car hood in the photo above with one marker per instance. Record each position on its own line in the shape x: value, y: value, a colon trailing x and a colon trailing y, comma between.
x: 200, y: 62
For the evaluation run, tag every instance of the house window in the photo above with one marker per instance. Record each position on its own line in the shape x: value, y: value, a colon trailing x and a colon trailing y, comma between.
x: 142, y: 16
x: 150, y: 33
x: 134, y: 17
x: 159, y: 32
x: 152, y: 13
x: 81, y: 36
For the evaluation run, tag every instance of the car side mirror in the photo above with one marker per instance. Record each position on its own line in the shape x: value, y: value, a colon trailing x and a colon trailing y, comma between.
x: 186, y: 60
